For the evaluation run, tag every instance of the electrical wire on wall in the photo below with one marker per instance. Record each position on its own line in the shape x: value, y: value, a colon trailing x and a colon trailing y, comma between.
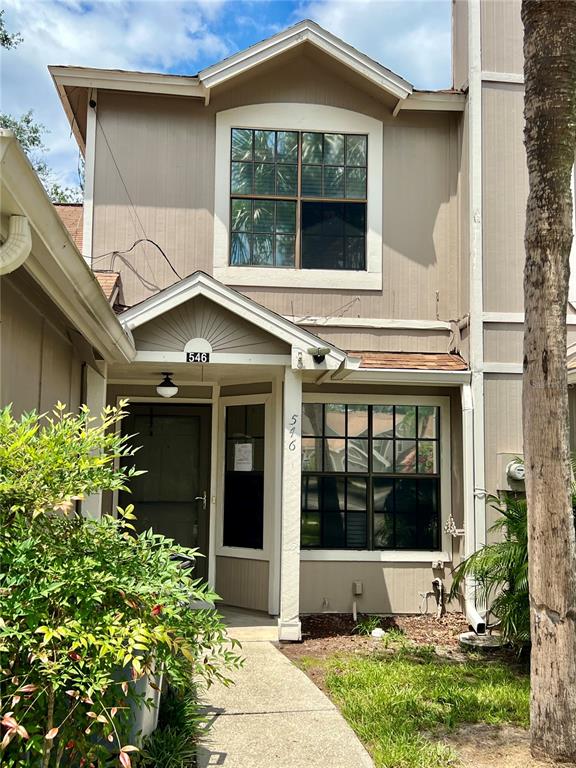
x: 138, y: 225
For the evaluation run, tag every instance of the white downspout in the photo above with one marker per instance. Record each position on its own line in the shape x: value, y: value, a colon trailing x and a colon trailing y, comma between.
x: 16, y: 249
x: 472, y: 615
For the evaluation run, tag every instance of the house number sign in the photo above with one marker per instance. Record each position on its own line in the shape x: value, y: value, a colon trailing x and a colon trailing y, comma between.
x: 197, y: 357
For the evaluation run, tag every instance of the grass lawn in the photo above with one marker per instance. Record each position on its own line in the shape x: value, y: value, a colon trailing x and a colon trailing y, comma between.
x: 402, y: 700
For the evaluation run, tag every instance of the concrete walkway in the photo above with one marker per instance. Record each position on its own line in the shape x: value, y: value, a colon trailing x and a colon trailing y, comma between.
x: 275, y: 717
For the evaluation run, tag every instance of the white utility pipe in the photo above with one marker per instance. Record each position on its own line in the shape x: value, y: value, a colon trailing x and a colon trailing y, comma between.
x: 16, y: 249
x: 473, y: 616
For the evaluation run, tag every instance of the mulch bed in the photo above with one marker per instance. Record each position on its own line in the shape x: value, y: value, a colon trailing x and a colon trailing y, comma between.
x: 326, y: 634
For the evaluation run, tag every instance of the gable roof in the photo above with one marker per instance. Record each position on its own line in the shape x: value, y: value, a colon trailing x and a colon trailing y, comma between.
x: 71, y: 81
x: 201, y: 284
x: 306, y: 31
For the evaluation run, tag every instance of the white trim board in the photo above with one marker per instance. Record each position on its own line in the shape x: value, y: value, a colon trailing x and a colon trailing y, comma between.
x: 306, y: 32
x: 298, y: 117
x: 516, y: 368
x: 400, y: 376
x: 374, y: 556
x: 201, y: 284
x: 502, y: 77
x: 369, y: 322
x: 89, y: 175
x: 516, y: 317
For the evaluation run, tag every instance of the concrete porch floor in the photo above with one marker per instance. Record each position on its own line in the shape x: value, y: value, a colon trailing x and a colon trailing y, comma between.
x: 249, y: 626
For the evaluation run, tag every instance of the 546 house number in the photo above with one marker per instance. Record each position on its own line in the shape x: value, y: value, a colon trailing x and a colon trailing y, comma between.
x: 197, y: 357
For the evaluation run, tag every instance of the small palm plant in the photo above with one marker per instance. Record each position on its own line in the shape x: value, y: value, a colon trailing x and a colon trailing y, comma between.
x: 500, y: 570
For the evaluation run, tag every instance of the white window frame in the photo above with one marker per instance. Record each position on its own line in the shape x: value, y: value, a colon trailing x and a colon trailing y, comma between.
x: 392, y: 555
x: 247, y: 553
x: 298, y: 117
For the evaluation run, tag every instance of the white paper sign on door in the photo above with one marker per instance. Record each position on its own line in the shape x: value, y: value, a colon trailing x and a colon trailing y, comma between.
x: 243, y: 457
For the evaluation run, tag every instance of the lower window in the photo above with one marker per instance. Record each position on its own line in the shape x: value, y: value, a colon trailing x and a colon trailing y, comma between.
x: 244, y: 477
x: 370, y: 476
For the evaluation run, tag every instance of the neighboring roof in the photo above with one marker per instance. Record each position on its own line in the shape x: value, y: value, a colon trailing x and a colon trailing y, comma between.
x: 55, y: 262
x: 109, y: 282
x: 201, y: 284
x: 68, y: 79
x: 417, y: 361
x: 72, y: 215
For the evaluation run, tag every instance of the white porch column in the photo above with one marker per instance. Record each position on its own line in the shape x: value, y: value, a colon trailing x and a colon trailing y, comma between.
x: 94, y: 391
x: 289, y: 627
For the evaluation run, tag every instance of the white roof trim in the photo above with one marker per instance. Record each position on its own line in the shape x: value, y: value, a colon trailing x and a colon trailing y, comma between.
x: 124, y: 80
x: 55, y: 263
x: 306, y: 31
x: 201, y: 284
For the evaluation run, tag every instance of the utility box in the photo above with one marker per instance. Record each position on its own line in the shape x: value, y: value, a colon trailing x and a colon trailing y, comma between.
x: 510, y: 474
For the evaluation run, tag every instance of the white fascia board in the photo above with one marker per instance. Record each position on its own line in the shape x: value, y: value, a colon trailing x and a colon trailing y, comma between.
x: 118, y: 80
x: 306, y: 31
x: 516, y: 78
x: 72, y: 120
x: 438, y: 102
x: 204, y: 285
x: 405, y: 376
x: 369, y: 322
x: 220, y: 358
x: 55, y: 262
x: 515, y: 318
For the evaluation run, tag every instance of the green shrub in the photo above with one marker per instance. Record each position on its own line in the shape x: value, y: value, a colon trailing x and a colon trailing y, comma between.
x: 501, y: 570
x: 87, y: 605
x: 366, y: 624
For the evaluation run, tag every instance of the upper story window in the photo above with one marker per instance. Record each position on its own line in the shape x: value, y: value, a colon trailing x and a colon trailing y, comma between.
x: 298, y: 199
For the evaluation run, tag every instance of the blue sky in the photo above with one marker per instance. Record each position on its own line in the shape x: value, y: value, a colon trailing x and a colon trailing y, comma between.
x: 411, y: 37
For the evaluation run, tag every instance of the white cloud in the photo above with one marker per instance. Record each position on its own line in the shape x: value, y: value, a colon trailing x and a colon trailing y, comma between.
x: 411, y: 37
x: 122, y: 34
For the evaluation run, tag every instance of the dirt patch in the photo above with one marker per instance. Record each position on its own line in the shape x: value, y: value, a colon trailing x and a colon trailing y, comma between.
x: 490, y: 746
x: 327, y: 634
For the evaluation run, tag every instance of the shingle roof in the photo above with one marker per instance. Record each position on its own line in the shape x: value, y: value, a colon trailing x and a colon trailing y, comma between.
x: 108, y: 281
x: 72, y: 215
x: 422, y: 361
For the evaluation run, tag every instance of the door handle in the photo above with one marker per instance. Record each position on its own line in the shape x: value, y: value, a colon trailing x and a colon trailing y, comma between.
x: 202, y: 499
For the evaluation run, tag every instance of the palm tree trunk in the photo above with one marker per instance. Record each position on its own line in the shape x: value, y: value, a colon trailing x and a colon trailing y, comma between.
x: 550, y: 139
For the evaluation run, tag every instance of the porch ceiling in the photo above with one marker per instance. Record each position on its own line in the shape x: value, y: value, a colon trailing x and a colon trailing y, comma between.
x: 185, y: 373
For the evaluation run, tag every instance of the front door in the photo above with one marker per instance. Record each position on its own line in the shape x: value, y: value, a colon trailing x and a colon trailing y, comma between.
x: 173, y: 497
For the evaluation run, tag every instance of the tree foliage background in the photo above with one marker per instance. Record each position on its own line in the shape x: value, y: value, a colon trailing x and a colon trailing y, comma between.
x: 30, y: 133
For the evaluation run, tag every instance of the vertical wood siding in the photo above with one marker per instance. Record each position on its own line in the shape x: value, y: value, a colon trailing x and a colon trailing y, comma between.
x: 388, y: 587
x: 243, y: 583
x: 505, y: 192
x: 38, y: 364
x: 164, y: 149
x: 502, y: 36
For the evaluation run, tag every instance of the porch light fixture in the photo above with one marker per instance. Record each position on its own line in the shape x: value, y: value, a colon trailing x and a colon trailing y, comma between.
x: 167, y: 388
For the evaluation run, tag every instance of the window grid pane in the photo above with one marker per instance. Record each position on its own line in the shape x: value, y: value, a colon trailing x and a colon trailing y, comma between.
x: 265, y: 162
x: 263, y: 232
x: 370, y: 463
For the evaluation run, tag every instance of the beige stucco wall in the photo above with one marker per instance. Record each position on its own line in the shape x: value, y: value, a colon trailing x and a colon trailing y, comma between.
x: 164, y: 147
x: 38, y: 364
